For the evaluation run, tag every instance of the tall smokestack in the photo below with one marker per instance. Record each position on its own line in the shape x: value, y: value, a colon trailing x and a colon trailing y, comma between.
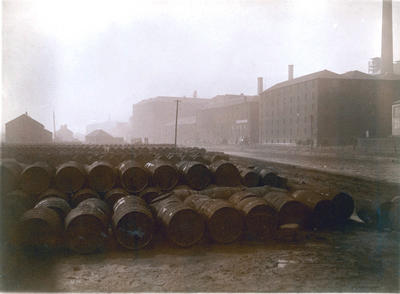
x: 290, y: 72
x: 260, y: 87
x: 387, y: 37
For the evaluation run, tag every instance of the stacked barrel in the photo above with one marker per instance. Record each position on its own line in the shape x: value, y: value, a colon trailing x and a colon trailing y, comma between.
x: 91, y: 198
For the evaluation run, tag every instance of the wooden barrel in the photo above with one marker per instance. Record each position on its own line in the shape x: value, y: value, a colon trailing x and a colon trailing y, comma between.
x: 97, y: 203
x: 270, y: 178
x: 195, y: 174
x: 53, y: 193
x: 114, y: 195
x: 149, y: 194
x: 343, y: 204
x: 225, y: 173
x: 322, y: 209
x: 182, y: 225
x: 59, y: 205
x: 36, y: 178
x: 249, y: 177
x: 174, y: 158
x: 220, y: 192
x: 164, y: 174
x: 10, y: 173
x: 133, y: 223
x: 133, y: 176
x: 81, y: 195
x: 40, y: 228
x: 367, y: 211
x: 290, y: 211
x: 261, y: 220
x: 101, y: 176
x: 224, y: 222
x: 70, y: 177
x: 86, y: 229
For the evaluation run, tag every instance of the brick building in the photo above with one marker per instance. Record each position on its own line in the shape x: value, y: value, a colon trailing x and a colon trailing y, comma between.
x: 187, y: 131
x: 102, y: 137
x: 150, y: 116
x: 325, y: 108
x: 26, y: 130
x: 229, y: 119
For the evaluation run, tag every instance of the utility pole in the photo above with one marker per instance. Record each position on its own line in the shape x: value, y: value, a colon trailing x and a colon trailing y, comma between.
x: 176, y: 121
x: 54, y: 127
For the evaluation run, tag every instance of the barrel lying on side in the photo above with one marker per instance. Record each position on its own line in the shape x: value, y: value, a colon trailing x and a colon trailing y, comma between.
x: 59, y: 205
x: 133, y: 223
x: 182, y: 225
x: 101, y: 176
x: 225, y: 173
x: 261, y: 220
x: 40, y: 228
x: 164, y: 174
x: 10, y: 173
x: 70, y: 177
x: 53, y: 193
x: 224, y: 222
x: 82, y: 195
x: 322, y: 209
x: 290, y: 211
x: 149, y: 194
x: 36, y: 178
x: 114, y: 195
x: 195, y: 174
x: 270, y: 178
x: 86, y: 229
x: 249, y: 177
x: 133, y: 176
x: 343, y: 204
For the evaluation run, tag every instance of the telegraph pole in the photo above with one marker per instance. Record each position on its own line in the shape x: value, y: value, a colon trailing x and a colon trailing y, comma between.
x: 176, y: 121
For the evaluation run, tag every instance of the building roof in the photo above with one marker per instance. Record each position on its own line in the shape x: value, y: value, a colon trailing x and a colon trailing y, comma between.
x: 98, y: 132
x: 173, y: 98
x: 229, y: 100
x: 26, y: 117
x: 355, y: 74
x: 323, y: 74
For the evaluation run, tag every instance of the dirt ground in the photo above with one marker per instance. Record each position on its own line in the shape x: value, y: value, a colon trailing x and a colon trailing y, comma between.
x: 349, y: 259
x: 352, y: 258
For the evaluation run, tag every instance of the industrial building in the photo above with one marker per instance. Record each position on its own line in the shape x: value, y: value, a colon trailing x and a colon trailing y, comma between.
x: 150, y: 116
x: 326, y: 108
x: 102, y: 137
x: 229, y: 119
x: 26, y: 130
x: 64, y: 134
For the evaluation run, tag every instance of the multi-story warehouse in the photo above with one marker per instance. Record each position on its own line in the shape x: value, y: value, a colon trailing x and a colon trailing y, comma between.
x: 26, y: 130
x: 150, y: 116
x: 229, y: 119
x: 325, y: 108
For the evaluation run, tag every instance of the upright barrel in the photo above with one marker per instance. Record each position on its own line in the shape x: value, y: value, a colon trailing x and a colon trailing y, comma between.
x: 40, y: 228
x: 225, y: 173
x: 195, y: 174
x: 36, y: 178
x: 290, y: 211
x: 224, y: 222
x: 86, y: 229
x: 70, y: 177
x: 133, y: 223
x: 101, y: 176
x: 343, y: 204
x: 182, y: 225
x: 164, y: 174
x: 133, y: 176
x: 261, y: 219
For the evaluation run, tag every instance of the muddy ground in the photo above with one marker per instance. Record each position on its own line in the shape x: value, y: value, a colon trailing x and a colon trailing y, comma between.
x: 352, y: 258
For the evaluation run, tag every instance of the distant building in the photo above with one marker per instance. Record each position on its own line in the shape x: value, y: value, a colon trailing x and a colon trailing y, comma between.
x: 26, y: 130
x: 187, y: 131
x: 64, y: 134
x: 325, y: 108
x: 229, y: 119
x: 396, y: 118
x: 374, y: 66
x: 102, y: 137
x: 150, y: 116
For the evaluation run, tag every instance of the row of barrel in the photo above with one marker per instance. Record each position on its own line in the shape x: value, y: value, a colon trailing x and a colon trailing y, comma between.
x: 132, y: 175
x: 223, y: 214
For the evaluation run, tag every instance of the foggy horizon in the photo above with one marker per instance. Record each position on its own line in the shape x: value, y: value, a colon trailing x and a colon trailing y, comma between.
x: 90, y: 61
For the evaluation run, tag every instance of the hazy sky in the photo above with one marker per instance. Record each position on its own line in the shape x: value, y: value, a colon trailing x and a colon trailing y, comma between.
x: 91, y: 60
